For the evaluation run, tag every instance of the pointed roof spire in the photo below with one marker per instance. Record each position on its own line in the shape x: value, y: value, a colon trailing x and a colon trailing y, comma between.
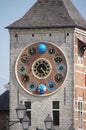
x: 50, y: 14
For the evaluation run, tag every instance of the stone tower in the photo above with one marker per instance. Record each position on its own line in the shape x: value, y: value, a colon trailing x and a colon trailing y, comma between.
x: 48, y: 65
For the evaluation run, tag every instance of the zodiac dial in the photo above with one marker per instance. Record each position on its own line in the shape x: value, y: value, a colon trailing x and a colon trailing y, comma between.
x: 41, y: 68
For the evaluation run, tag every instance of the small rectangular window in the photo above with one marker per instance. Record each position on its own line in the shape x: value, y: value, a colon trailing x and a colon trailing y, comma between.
x: 29, y: 114
x: 28, y: 109
x: 55, y: 117
x: 28, y: 105
x: 55, y: 104
x: 56, y: 113
x: 80, y: 114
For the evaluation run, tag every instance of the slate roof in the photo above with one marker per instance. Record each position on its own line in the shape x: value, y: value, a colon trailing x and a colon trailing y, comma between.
x: 50, y: 14
x: 4, y: 101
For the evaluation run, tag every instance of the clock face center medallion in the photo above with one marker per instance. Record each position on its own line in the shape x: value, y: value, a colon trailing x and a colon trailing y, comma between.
x: 41, y: 68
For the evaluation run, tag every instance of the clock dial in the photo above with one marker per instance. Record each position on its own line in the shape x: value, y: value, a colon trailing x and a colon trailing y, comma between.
x: 25, y: 78
x: 51, y: 50
x: 58, y: 78
x: 51, y: 86
x: 32, y: 86
x: 25, y: 58
x: 61, y: 68
x: 41, y: 68
x: 58, y: 58
x: 32, y: 51
x: 22, y: 69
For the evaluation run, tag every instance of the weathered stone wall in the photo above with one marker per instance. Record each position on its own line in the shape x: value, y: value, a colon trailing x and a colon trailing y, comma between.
x: 42, y: 106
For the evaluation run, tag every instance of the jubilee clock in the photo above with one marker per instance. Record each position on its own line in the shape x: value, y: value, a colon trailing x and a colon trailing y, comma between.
x: 41, y: 68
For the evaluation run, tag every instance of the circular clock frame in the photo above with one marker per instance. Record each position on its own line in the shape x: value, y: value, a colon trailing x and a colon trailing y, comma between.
x: 41, y: 72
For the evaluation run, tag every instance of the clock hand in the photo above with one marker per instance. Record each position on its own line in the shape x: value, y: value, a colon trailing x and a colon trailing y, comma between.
x: 42, y: 70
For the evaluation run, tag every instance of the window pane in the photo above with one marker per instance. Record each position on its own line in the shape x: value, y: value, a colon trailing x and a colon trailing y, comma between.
x: 78, y: 105
x: 28, y: 105
x: 55, y: 104
x: 55, y: 117
x: 80, y: 119
x: 81, y: 106
x: 28, y: 111
x: 29, y: 115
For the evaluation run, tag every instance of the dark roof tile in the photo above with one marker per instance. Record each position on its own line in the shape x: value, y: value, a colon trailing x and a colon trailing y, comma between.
x: 4, y: 101
x: 51, y: 13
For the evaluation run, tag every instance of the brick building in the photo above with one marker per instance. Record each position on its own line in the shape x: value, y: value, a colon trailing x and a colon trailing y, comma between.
x: 48, y: 65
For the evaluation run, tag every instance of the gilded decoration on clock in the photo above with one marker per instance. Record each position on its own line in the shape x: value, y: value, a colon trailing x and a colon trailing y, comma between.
x: 41, y: 68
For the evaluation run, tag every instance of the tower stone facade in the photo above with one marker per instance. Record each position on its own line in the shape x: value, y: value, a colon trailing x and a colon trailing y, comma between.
x: 60, y: 68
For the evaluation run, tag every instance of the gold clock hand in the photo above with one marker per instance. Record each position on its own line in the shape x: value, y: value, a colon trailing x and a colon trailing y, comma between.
x: 42, y: 70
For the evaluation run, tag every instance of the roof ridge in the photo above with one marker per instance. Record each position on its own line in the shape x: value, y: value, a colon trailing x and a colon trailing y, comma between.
x: 74, y: 12
x: 68, y: 11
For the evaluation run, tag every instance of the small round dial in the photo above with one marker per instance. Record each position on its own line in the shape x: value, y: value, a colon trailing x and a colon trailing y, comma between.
x: 32, y: 51
x: 25, y: 59
x: 41, y: 68
x: 25, y: 78
x: 51, y: 50
x: 58, y: 58
x: 58, y: 78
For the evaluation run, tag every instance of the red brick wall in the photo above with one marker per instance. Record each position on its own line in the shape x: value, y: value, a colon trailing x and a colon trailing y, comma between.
x: 79, y: 81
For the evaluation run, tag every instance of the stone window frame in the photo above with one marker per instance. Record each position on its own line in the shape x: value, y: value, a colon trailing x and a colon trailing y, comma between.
x: 54, y: 110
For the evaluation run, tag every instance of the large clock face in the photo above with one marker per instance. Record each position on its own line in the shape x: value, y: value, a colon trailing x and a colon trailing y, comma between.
x: 41, y: 68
